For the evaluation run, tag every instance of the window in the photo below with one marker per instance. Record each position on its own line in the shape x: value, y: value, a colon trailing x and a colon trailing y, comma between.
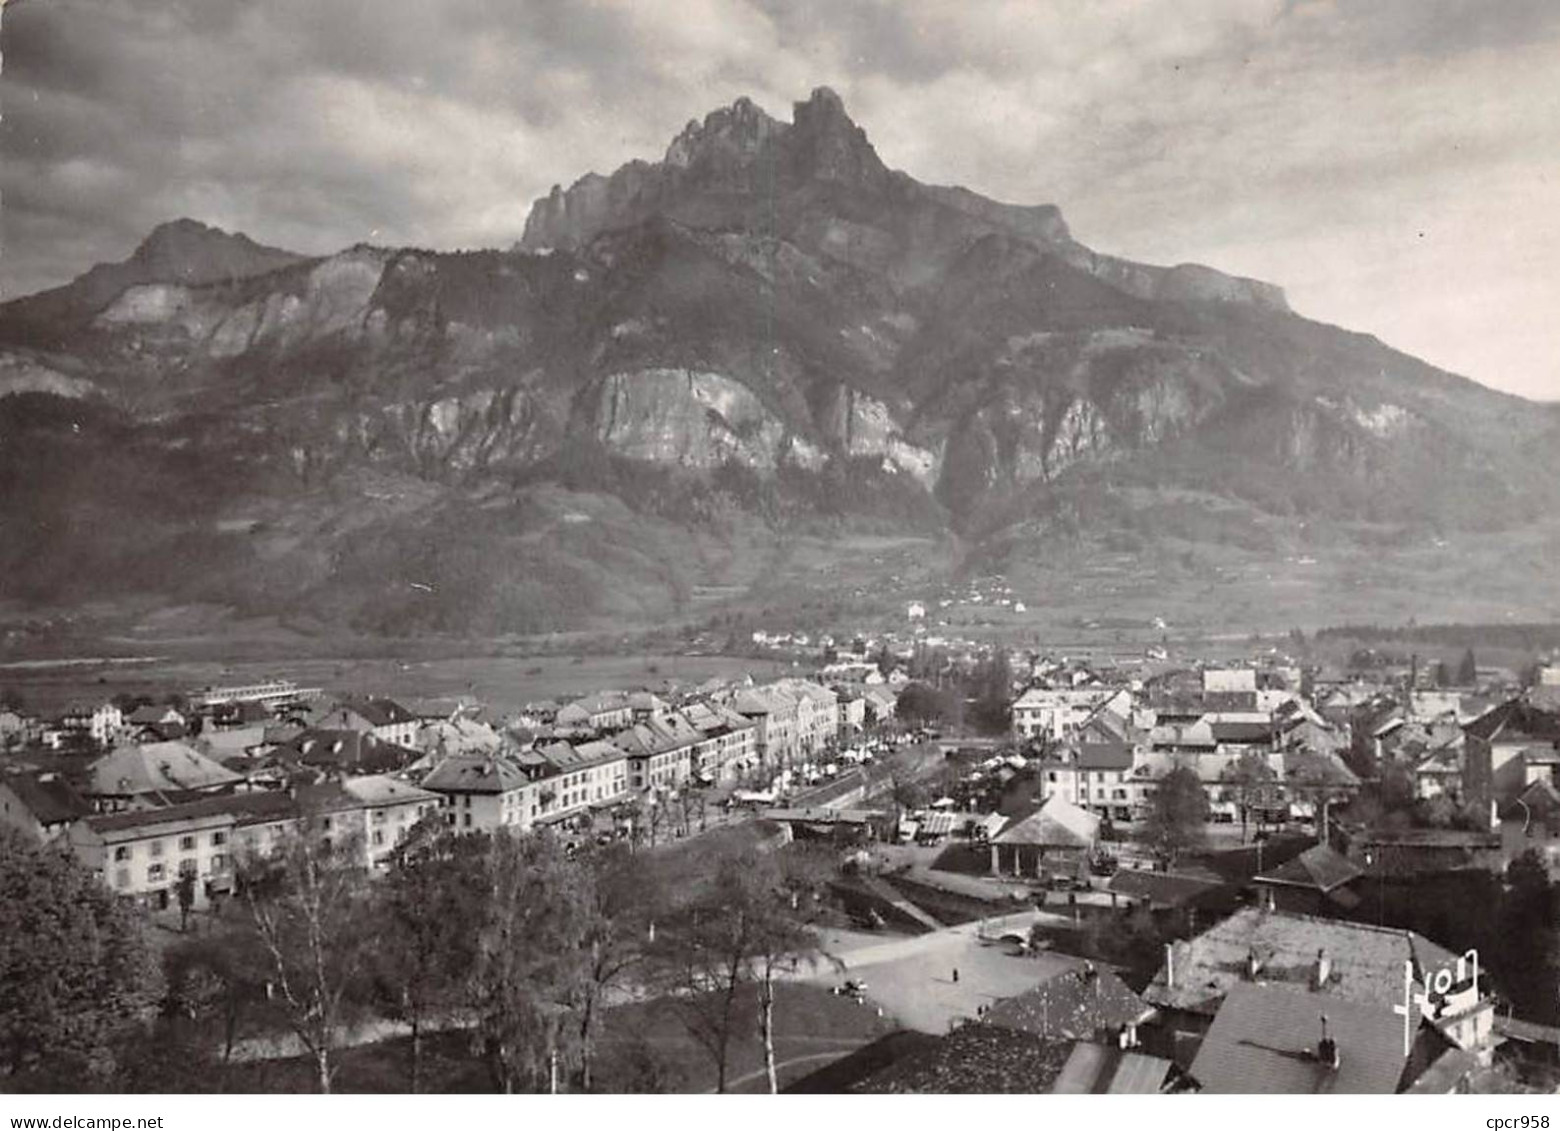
x: 122, y: 877
x: 219, y: 863
x: 186, y: 844
x: 1051, y: 776
x: 379, y: 836
x: 154, y: 873
x: 122, y: 853
x: 326, y: 824
x: 189, y: 867
x: 218, y: 839
x: 468, y: 820
x: 157, y: 848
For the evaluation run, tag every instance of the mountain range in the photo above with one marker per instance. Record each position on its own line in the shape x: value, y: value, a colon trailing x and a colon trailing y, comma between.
x: 687, y: 369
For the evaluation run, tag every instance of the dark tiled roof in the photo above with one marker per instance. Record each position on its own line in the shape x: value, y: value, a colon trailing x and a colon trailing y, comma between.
x: 1319, y: 867
x: 1161, y: 889
x: 1263, y: 1042
x: 51, y: 802
x: 1242, y: 732
x: 1074, y: 1005
x: 475, y: 773
x: 1516, y: 721
x: 974, y: 1059
x: 1104, y: 756
x: 245, y: 808
x: 1099, y: 1069
x: 1366, y: 961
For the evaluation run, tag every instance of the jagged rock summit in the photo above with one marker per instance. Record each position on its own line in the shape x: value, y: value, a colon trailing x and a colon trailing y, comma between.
x: 766, y: 329
x: 817, y: 182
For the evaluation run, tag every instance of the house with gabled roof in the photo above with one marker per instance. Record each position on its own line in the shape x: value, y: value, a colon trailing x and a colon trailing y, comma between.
x: 485, y: 792
x: 40, y: 805
x: 1081, y: 1004
x: 1273, y: 1040
x: 376, y: 812
x: 155, y: 773
x: 1325, y: 959
x: 140, y: 854
x: 1499, y: 747
x: 1055, y: 836
x: 598, y: 713
x: 1316, y: 882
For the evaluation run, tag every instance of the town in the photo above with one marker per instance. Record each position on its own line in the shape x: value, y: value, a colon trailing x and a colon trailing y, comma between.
x: 925, y: 864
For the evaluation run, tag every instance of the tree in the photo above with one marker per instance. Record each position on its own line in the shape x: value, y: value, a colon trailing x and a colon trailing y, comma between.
x: 1254, y: 784
x: 918, y: 704
x: 184, y: 890
x: 745, y: 931
x: 621, y: 901
x: 1467, y: 670
x: 309, y: 909
x: 428, y: 913
x: 76, y: 975
x: 1177, y: 815
x: 530, y: 960
x: 783, y: 896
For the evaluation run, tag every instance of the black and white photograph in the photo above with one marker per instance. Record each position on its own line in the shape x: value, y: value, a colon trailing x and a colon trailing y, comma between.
x: 778, y: 547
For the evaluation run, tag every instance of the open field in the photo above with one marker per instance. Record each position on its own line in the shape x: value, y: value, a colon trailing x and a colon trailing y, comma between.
x: 504, y: 683
x: 639, y: 1046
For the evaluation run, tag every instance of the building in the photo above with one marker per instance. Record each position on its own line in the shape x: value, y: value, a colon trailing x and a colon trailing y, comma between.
x: 1273, y: 1040
x: 101, y: 722
x: 580, y: 778
x: 773, y: 715
x: 155, y: 773
x: 1326, y: 959
x: 1499, y: 748
x: 1316, y: 882
x: 1083, y: 1004
x: 272, y: 692
x: 484, y: 792
x: 1058, y: 836
x: 140, y: 854
x: 375, y: 810
x: 39, y: 806
x: 385, y: 719
x: 1054, y: 713
x: 596, y: 714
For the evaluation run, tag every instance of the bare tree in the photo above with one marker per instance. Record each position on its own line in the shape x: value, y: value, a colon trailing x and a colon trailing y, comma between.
x: 621, y: 901
x: 747, y: 930
x: 309, y: 911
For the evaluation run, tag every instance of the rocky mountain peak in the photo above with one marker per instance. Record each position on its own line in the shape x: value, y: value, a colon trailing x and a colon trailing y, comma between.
x: 829, y: 146
x: 188, y: 251
x: 728, y: 137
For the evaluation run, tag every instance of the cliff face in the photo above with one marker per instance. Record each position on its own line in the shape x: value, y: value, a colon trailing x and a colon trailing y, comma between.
x: 770, y: 299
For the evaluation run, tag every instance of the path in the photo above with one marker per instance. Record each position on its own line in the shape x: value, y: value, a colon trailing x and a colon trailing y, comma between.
x: 846, y: 1045
x: 891, y: 896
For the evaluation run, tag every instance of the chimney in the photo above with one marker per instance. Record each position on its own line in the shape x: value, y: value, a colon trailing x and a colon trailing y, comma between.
x: 1327, y: 1049
x: 1323, y: 968
x: 1169, y: 966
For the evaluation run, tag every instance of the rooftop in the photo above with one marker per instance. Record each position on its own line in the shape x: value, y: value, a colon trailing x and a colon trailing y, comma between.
x: 1366, y: 962
x: 1074, y: 1005
x: 1320, y: 868
x: 156, y: 767
x: 1264, y: 1041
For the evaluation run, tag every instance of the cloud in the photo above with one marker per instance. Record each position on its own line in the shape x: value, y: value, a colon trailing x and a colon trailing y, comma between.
x: 1305, y: 141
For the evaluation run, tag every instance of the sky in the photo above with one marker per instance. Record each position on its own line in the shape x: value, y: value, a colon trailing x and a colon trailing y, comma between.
x: 1393, y: 164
